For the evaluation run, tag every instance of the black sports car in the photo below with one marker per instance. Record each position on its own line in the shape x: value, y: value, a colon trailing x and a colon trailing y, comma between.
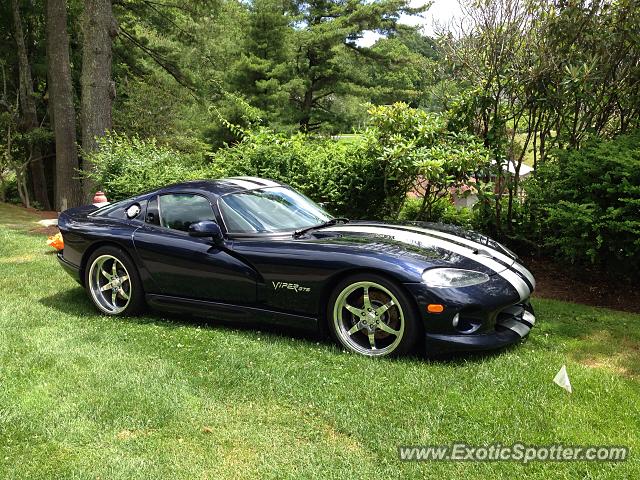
x: 250, y: 249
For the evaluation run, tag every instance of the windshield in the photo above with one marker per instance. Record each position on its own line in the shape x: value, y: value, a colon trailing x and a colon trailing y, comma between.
x: 270, y: 210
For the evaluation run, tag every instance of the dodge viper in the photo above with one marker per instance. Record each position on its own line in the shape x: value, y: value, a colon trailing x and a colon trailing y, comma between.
x: 255, y: 250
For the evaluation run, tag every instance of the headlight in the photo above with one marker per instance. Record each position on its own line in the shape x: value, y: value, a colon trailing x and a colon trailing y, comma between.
x: 453, y: 277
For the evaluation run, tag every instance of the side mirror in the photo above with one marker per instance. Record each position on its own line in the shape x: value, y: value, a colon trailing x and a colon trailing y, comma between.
x: 207, y: 228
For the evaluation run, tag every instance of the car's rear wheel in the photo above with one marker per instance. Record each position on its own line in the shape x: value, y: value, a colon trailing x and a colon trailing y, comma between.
x: 372, y: 316
x: 113, y: 283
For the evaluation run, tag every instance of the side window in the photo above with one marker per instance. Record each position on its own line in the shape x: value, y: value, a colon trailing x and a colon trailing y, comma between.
x: 179, y: 211
x: 153, y: 215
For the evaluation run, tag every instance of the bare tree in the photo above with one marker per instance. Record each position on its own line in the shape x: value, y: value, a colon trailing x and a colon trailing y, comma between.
x: 588, y: 73
x: 68, y: 191
x: 29, y: 117
x: 488, y: 53
x: 99, y: 28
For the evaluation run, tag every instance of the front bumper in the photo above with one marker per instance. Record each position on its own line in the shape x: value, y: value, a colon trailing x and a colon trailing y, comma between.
x: 512, y: 325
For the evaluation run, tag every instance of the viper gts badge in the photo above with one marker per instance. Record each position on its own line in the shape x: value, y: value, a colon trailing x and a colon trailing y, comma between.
x: 290, y: 286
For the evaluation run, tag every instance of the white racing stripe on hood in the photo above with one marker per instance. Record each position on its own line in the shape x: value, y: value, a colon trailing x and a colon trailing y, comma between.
x: 513, y: 263
x: 416, y: 238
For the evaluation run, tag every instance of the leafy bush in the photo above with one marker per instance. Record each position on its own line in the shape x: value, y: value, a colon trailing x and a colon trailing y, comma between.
x: 126, y: 166
x: 331, y: 172
x: 418, y: 153
x: 585, y: 204
x: 9, y: 190
x: 340, y: 175
x: 401, y: 149
x: 443, y: 211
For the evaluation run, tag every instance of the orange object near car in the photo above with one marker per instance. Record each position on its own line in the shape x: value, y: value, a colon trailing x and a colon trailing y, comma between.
x: 56, y: 241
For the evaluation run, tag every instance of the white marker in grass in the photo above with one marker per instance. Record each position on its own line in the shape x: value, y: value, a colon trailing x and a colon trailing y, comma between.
x: 562, y: 379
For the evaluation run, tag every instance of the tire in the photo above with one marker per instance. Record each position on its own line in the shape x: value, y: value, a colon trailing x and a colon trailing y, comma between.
x: 113, y: 283
x: 382, y: 323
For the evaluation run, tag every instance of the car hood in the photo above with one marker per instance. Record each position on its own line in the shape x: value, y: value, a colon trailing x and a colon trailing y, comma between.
x: 436, y: 244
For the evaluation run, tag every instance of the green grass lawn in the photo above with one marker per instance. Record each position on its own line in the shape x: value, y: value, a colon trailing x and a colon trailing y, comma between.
x: 86, y: 396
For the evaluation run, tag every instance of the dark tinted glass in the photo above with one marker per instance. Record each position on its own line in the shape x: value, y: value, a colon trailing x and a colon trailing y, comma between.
x: 152, y: 216
x: 179, y: 211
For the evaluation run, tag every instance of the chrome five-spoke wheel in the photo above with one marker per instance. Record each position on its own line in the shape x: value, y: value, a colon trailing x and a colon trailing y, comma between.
x: 110, y: 284
x: 369, y: 319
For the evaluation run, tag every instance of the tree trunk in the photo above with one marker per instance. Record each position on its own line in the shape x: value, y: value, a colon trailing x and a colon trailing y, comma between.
x: 28, y: 107
x: 68, y: 191
x: 307, y: 105
x: 98, y: 90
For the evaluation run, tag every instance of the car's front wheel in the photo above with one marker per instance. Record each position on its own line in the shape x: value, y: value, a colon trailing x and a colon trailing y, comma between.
x: 113, y: 283
x: 372, y: 316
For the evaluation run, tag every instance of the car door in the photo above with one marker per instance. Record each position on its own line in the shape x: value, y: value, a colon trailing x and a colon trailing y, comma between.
x: 184, y: 266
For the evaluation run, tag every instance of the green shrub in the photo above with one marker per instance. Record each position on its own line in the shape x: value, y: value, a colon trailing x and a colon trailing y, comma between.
x: 443, y: 211
x: 127, y: 166
x: 9, y: 191
x: 416, y: 152
x: 338, y: 174
x: 463, y: 217
x: 585, y: 204
x: 412, y: 206
x: 364, y: 179
x: 335, y: 173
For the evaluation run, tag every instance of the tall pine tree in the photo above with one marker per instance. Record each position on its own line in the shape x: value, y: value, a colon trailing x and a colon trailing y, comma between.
x: 325, y: 35
x: 266, y: 66
x: 300, y: 55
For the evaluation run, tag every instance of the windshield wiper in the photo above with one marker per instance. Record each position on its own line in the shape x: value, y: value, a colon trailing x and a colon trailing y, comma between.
x: 328, y: 223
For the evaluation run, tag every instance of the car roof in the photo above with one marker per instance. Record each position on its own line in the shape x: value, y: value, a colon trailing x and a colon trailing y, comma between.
x: 221, y: 186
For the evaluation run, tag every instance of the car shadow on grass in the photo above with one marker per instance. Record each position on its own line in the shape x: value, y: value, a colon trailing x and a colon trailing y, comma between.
x: 75, y: 302
x: 71, y: 302
x: 462, y: 358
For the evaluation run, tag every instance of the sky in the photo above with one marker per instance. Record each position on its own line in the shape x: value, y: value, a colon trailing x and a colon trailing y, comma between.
x: 441, y: 11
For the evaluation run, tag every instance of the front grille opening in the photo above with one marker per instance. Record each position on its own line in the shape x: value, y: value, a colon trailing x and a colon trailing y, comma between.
x: 470, y: 320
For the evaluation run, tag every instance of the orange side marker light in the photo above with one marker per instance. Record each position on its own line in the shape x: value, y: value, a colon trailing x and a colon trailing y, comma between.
x: 435, y: 308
